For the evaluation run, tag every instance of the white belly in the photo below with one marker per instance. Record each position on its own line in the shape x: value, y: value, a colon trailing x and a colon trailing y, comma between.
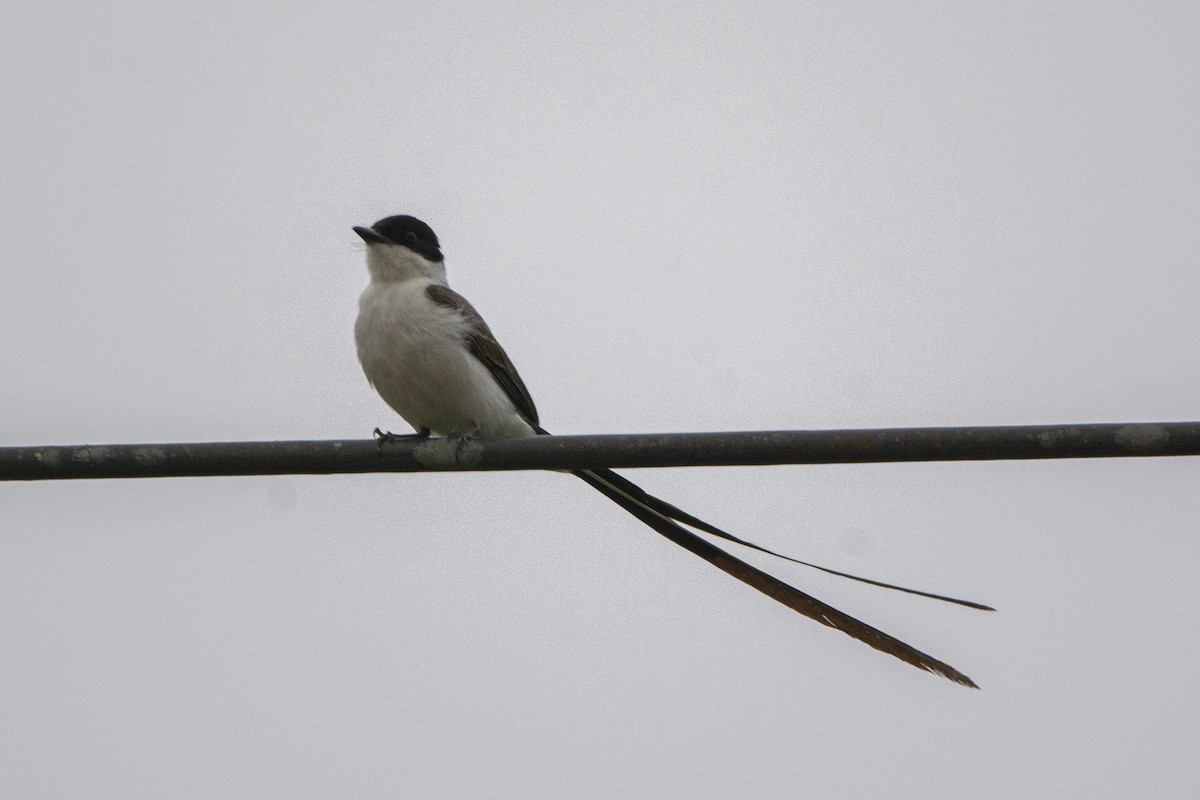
x: 413, y: 353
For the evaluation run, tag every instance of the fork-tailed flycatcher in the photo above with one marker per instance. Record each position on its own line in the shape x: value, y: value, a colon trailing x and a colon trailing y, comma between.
x: 433, y: 359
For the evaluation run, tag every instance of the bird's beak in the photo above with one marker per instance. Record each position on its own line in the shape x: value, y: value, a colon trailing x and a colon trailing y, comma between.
x: 369, y: 235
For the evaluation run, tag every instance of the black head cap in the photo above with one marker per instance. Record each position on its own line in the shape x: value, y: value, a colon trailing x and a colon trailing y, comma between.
x: 404, y: 230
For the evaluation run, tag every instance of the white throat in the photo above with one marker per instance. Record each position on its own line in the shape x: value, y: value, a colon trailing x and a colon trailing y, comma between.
x: 389, y: 263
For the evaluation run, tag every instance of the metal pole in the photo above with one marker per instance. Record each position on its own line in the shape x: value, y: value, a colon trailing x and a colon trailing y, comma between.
x: 582, y: 452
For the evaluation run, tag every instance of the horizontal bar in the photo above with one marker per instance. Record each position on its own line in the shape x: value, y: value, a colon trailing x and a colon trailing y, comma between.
x: 412, y: 454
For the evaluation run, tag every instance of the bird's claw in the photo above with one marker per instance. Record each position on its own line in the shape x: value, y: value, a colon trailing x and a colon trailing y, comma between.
x: 387, y: 437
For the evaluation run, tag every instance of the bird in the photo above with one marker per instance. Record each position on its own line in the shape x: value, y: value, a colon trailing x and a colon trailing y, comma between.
x: 433, y: 359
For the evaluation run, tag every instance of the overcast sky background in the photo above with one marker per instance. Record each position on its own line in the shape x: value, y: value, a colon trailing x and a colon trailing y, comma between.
x: 681, y: 218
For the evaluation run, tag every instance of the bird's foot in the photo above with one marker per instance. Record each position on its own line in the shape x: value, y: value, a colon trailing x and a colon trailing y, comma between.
x: 387, y: 437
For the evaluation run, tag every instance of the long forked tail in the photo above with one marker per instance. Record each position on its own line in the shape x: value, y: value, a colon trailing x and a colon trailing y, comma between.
x: 663, y: 508
x: 659, y: 516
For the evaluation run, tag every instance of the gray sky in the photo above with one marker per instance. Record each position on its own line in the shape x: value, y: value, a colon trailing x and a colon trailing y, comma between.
x: 686, y: 218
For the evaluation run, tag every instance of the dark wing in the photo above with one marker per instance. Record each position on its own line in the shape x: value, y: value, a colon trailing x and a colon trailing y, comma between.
x: 483, y: 346
x: 658, y: 514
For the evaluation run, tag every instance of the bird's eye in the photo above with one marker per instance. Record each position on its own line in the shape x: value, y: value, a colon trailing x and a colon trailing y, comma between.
x: 411, y: 236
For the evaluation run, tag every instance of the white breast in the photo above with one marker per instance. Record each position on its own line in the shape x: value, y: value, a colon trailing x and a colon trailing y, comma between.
x: 414, y: 354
